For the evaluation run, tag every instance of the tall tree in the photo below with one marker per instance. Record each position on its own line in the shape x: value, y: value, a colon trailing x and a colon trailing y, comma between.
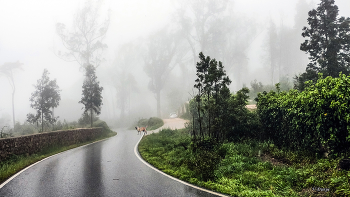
x: 92, y: 93
x: 162, y: 56
x: 7, y: 70
x: 211, y: 99
x: 327, y: 40
x: 84, y: 43
x: 44, y: 98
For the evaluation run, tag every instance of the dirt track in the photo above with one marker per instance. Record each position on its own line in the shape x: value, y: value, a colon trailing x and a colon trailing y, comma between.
x: 174, y: 123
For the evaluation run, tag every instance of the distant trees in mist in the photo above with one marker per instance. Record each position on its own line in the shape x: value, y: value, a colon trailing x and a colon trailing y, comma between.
x: 210, y: 26
x: 162, y: 56
x: 7, y: 70
x: 216, y: 29
x: 84, y: 42
x: 122, y: 78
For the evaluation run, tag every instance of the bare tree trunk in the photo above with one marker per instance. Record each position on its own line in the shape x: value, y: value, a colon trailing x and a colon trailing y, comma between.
x: 91, y: 117
x: 42, y: 122
x: 13, y: 107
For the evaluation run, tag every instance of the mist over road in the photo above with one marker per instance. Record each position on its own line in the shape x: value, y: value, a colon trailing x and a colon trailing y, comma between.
x: 106, y: 168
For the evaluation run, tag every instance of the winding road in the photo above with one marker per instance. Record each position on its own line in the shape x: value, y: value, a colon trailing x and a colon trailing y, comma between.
x: 107, y: 168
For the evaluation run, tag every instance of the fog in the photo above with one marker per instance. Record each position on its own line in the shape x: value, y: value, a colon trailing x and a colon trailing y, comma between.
x: 147, y: 39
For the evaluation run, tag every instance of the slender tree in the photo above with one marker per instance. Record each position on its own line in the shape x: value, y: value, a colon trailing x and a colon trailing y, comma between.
x: 273, y: 51
x: 211, y: 99
x: 43, y: 99
x: 92, y: 93
x: 7, y: 70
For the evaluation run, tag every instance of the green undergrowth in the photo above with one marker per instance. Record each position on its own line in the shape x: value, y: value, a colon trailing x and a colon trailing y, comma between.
x: 151, y: 123
x: 16, y: 163
x: 241, y: 172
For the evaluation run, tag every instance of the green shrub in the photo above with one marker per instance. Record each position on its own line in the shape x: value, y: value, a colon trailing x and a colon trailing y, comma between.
x: 151, y: 123
x: 204, y: 158
x: 103, y: 124
x: 316, y: 119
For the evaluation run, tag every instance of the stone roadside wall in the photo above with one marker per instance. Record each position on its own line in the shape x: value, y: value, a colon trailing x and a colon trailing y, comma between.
x: 30, y: 144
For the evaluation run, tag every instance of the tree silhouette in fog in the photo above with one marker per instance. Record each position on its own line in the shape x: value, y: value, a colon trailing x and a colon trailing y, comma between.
x: 161, y: 57
x: 7, y: 70
x: 84, y: 42
x: 45, y: 97
x: 92, y: 93
x: 122, y: 77
x: 213, y: 27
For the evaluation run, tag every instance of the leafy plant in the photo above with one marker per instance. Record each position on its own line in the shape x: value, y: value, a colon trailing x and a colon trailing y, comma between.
x: 43, y: 100
x: 92, y: 93
x: 316, y: 119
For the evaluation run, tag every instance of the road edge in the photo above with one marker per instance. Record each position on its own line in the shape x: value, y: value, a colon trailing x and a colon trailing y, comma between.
x: 163, y: 173
x: 26, y: 168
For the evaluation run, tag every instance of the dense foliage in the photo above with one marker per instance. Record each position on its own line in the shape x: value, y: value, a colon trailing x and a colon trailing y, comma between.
x: 327, y: 42
x: 238, y: 171
x: 218, y: 115
x: 316, y: 119
x: 211, y: 100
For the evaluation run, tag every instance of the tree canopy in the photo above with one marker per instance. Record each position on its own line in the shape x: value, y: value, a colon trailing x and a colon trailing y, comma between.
x: 327, y: 42
x: 84, y: 43
x: 92, y: 93
x: 43, y: 100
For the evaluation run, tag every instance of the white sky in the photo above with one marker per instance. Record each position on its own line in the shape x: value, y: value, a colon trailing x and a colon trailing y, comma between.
x: 28, y: 35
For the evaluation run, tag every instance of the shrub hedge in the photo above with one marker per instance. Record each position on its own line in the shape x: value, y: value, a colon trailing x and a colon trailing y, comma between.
x: 316, y: 119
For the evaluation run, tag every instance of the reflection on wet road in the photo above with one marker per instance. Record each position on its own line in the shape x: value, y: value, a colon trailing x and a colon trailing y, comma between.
x: 107, y: 168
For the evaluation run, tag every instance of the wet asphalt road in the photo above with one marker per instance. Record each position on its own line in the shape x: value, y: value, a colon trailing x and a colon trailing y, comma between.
x: 107, y: 168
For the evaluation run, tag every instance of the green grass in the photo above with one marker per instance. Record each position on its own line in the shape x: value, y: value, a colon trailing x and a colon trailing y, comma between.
x: 241, y: 172
x: 151, y: 123
x: 16, y: 163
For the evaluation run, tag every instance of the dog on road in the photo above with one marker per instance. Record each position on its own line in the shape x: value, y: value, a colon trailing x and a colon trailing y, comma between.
x: 140, y: 129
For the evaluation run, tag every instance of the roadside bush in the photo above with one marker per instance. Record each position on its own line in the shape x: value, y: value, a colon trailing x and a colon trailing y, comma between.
x: 316, y: 119
x: 204, y: 158
x: 103, y: 124
x: 154, y: 123
x: 24, y: 129
x: 85, y: 119
x: 237, y: 121
x: 151, y: 123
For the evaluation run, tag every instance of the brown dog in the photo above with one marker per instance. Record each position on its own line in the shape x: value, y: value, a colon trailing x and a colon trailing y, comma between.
x: 139, y: 129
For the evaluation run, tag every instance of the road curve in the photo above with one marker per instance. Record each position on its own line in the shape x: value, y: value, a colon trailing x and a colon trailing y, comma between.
x: 106, y: 168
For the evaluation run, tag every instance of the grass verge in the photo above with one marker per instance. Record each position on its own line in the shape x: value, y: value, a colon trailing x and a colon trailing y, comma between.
x: 241, y: 172
x: 16, y: 163
x: 151, y: 123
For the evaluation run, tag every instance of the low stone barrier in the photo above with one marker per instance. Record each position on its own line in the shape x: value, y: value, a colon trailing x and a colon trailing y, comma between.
x: 30, y: 144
